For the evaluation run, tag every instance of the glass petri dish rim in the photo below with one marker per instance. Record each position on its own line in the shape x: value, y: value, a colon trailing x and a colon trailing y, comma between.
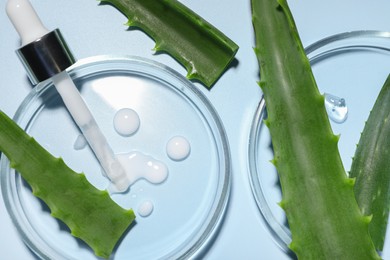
x: 208, y: 231
x: 315, y: 52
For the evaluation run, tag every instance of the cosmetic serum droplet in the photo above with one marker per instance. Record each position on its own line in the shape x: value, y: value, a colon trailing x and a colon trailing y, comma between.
x: 178, y: 148
x: 141, y: 166
x: 145, y: 208
x: 336, y: 107
x: 126, y: 121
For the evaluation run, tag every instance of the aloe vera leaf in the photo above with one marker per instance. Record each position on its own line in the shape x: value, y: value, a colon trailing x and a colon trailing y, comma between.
x: 371, y: 167
x: 318, y: 198
x: 201, y: 48
x: 90, y: 213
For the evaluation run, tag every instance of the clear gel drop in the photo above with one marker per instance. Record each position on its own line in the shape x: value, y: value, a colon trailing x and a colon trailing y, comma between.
x: 80, y: 142
x: 336, y: 107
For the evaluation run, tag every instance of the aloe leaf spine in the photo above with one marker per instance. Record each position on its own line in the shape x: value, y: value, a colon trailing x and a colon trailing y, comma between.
x: 90, y: 213
x: 201, y: 48
x: 318, y: 198
x: 371, y: 167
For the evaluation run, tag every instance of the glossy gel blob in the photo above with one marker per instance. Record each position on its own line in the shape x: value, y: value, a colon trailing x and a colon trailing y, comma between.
x: 140, y: 166
x: 336, y: 107
x: 126, y: 121
x: 178, y: 148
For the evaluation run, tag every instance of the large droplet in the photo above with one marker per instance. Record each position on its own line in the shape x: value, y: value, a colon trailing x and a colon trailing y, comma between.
x: 336, y: 107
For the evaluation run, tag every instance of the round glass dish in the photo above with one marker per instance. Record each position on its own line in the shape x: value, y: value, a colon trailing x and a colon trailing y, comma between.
x: 350, y: 67
x: 188, y: 207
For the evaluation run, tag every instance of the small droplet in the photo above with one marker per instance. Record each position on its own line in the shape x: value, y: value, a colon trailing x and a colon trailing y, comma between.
x: 178, y: 148
x: 126, y: 121
x: 145, y: 208
x: 336, y: 107
x: 80, y: 142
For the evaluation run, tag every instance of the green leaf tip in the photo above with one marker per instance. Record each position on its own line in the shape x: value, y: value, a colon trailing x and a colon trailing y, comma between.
x: 350, y: 182
x: 282, y: 204
x: 274, y: 161
x: 367, y: 219
x: 336, y: 138
x: 90, y: 213
x: 201, y: 48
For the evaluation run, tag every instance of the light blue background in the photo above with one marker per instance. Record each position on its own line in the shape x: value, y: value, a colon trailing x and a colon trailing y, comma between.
x: 91, y: 30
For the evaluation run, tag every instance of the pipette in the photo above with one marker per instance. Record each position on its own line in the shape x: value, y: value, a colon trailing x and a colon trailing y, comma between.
x: 45, y: 55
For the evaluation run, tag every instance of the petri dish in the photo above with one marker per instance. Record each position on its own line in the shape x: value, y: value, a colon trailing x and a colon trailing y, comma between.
x: 175, y: 219
x: 350, y: 69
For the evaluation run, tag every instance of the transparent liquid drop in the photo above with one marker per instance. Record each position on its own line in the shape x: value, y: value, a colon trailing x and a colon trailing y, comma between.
x: 336, y: 107
x: 80, y: 142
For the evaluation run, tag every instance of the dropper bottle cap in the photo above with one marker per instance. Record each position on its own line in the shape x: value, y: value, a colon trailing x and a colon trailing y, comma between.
x: 43, y: 53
